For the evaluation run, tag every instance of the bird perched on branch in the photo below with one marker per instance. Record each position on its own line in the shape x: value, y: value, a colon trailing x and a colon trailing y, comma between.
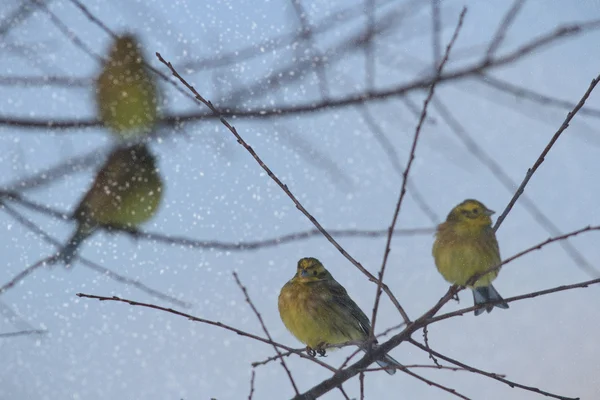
x: 317, y: 310
x: 126, y: 92
x: 465, y: 246
x: 126, y: 192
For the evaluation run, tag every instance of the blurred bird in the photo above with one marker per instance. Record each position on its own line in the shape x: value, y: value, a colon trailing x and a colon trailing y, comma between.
x: 126, y: 192
x: 318, y: 311
x: 466, y: 245
x: 126, y: 93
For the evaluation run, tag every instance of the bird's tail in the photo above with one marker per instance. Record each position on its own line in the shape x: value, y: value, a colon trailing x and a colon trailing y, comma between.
x: 388, y: 363
x: 67, y: 253
x: 485, y: 294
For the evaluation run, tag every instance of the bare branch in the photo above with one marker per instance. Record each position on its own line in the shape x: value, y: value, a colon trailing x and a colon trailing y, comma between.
x: 252, y: 384
x: 361, y: 379
x: 533, y: 248
x: 435, y: 384
x: 436, y: 35
x: 284, y: 187
x: 524, y: 93
x: 23, y: 333
x: 330, y: 104
x: 216, y: 244
x: 531, y: 295
x: 369, y: 46
x: 343, y: 392
x: 426, y: 340
x: 406, y: 172
x: 44, y: 262
x: 208, y: 322
x: 87, y: 263
x: 266, y: 331
x: 540, y: 159
x: 316, y: 57
x: 509, y: 18
x: 497, y: 377
x: 390, y: 151
x: 47, y: 176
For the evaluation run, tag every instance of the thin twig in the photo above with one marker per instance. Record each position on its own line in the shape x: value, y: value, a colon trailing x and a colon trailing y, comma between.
x: 265, y: 330
x: 426, y: 340
x: 392, y: 155
x: 507, y: 21
x: 65, y: 30
x: 406, y: 172
x: 531, y: 95
x: 44, y: 177
x: 208, y: 322
x: 23, y: 333
x: 538, y: 246
x: 252, y: 384
x: 27, y: 271
x: 436, y: 35
x: 497, y: 377
x: 540, y: 159
x: 87, y: 263
x: 284, y: 187
x: 313, y: 53
x: 435, y: 384
x: 531, y: 295
x: 361, y: 379
x: 341, y: 389
x: 444, y: 367
x: 216, y: 244
x: 369, y: 46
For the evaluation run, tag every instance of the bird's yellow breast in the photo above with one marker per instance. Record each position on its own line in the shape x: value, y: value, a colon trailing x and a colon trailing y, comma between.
x: 458, y: 258
x: 309, y: 314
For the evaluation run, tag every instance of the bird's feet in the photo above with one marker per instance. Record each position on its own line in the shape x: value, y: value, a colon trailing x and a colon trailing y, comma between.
x: 319, y: 350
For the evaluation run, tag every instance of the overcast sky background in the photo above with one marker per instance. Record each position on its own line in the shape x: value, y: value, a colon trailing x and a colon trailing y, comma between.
x: 216, y: 191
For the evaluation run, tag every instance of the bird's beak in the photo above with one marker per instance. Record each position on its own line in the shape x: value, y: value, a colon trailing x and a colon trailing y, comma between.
x: 489, y: 212
x: 304, y: 273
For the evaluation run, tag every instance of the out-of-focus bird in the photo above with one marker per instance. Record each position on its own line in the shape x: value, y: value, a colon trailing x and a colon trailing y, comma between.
x: 317, y: 310
x: 466, y: 245
x: 126, y: 92
x: 126, y: 192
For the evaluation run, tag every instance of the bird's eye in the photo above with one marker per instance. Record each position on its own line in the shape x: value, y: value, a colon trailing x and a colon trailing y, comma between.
x: 314, y: 273
x: 475, y: 211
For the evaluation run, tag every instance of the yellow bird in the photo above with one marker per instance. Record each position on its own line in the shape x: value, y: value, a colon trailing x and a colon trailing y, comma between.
x: 317, y: 310
x: 126, y: 93
x: 466, y: 245
x: 126, y: 192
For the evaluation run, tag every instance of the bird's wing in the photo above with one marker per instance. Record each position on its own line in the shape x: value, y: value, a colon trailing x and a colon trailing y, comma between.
x: 344, y: 302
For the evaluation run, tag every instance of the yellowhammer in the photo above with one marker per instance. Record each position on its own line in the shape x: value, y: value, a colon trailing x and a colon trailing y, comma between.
x: 318, y: 311
x: 126, y: 93
x: 466, y: 245
x: 125, y: 193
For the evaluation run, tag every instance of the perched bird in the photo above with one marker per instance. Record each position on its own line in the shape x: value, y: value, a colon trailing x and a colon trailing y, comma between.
x: 318, y: 311
x: 126, y: 192
x: 466, y: 245
x: 126, y: 93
